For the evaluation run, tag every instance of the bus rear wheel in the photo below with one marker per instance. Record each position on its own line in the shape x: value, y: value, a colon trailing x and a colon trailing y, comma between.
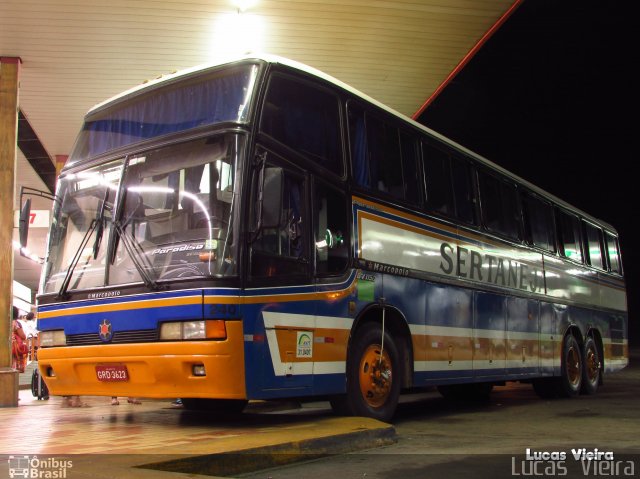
x: 591, y: 368
x: 373, y: 374
x: 571, y: 375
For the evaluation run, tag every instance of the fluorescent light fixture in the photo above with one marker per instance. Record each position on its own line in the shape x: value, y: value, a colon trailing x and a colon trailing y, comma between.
x: 236, y: 34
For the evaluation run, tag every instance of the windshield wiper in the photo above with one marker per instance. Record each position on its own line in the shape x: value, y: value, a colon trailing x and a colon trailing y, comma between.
x: 67, y: 278
x: 97, y: 225
x: 137, y: 256
x: 100, y: 224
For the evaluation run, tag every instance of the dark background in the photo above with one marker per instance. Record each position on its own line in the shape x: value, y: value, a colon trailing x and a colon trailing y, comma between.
x: 552, y: 97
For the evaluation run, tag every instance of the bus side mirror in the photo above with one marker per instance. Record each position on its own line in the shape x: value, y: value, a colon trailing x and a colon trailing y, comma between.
x: 23, y: 223
x: 272, y: 189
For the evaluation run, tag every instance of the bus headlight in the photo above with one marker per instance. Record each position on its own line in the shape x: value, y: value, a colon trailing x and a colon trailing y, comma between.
x: 193, y: 330
x: 49, y: 339
x: 189, y: 330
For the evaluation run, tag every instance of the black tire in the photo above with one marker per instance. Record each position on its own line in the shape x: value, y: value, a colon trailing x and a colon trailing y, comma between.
x: 38, y: 387
x: 226, y: 406
x: 373, y: 384
x: 570, y: 381
x: 591, y: 367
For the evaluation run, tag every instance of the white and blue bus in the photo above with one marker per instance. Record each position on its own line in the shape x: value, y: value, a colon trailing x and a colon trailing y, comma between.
x: 257, y: 230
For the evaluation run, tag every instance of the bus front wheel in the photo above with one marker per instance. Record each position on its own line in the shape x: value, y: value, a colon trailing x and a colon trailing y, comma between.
x: 373, y: 374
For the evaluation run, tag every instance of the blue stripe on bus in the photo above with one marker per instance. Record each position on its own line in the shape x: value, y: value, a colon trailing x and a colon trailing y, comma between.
x: 119, y: 300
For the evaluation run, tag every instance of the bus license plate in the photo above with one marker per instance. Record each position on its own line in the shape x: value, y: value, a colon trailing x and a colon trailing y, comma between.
x: 112, y: 372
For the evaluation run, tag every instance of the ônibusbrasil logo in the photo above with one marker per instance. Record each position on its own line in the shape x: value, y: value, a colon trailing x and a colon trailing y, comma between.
x: 41, y: 468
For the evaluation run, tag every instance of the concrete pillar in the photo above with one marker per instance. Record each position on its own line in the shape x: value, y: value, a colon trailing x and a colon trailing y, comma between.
x: 9, y: 85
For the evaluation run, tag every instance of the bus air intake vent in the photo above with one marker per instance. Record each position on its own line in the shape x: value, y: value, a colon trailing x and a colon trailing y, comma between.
x: 119, y: 337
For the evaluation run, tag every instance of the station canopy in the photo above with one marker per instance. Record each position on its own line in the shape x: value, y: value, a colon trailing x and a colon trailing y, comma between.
x: 76, y: 53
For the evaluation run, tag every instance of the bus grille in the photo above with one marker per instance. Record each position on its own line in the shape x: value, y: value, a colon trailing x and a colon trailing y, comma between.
x: 119, y: 337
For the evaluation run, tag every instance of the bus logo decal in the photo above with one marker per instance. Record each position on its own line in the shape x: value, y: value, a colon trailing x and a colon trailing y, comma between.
x: 105, y: 330
x: 305, y: 344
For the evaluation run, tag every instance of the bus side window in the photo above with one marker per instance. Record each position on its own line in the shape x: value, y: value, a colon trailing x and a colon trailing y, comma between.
x: 383, y: 158
x: 569, y: 232
x: 358, y: 143
x: 331, y: 231
x: 538, y: 223
x: 593, y: 241
x: 385, y: 168
x: 410, y: 170
x: 463, y: 193
x: 499, y: 205
x: 305, y: 118
x: 437, y: 167
x: 281, y: 249
x: 377, y: 157
x: 613, y: 254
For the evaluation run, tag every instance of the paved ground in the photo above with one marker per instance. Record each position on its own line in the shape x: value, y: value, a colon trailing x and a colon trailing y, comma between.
x: 443, y: 440
x: 430, y: 437
x: 102, y: 440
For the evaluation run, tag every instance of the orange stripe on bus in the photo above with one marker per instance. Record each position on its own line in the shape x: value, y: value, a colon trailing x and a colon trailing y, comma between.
x: 124, y: 306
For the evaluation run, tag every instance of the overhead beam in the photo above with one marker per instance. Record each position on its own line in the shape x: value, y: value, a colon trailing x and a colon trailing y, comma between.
x: 35, y: 152
x: 467, y: 58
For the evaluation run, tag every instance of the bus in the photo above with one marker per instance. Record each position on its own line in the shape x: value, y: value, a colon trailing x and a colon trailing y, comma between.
x: 257, y: 229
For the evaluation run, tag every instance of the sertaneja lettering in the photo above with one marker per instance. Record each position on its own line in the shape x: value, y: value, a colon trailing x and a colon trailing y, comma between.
x: 471, y: 264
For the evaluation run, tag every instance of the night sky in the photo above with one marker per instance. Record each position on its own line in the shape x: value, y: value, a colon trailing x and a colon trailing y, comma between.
x: 552, y: 98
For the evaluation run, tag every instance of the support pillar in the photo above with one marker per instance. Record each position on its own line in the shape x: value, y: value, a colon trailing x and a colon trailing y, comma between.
x: 9, y: 86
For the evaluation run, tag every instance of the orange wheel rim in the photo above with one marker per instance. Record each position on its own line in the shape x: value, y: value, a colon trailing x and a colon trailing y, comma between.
x: 593, y: 365
x: 375, y: 376
x: 573, y: 366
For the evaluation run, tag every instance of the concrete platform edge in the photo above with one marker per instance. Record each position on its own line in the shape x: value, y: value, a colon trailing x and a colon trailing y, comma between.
x: 265, y: 457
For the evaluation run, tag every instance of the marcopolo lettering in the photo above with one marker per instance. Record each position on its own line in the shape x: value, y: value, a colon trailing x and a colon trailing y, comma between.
x: 104, y: 294
x: 471, y: 264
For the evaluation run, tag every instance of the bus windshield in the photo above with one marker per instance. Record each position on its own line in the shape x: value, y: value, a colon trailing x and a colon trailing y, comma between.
x: 169, y: 216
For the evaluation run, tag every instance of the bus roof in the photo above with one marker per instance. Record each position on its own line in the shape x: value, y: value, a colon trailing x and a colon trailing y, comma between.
x: 277, y: 60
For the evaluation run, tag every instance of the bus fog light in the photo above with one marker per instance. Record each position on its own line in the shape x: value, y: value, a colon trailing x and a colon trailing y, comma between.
x: 198, y: 370
x: 50, y: 373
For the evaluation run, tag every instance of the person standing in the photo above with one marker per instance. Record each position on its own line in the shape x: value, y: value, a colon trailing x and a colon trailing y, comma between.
x: 18, y: 343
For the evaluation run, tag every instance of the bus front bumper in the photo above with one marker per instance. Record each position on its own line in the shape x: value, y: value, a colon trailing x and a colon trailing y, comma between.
x: 188, y: 369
